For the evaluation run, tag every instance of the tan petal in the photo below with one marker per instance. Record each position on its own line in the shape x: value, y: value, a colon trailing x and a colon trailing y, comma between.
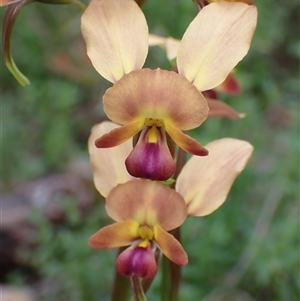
x: 148, y: 203
x: 170, y: 45
x: 157, y: 94
x: 186, y: 142
x: 108, y: 164
x: 155, y: 40
x: 170, y: 246
x: 116, y: 35
x: 218, y: 108
x: 115, y: 235
x: 217, y: 39
x: 204, y: 182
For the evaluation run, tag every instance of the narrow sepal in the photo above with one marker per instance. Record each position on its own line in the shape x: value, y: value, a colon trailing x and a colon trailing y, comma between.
x: 119, y: 135
x: 116, y: 235
x: 185, y: 142
x: 218, y: 108
x: 170, y: 246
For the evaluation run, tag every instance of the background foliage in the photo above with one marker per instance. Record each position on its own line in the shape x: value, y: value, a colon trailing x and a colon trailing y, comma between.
x: 247, y: 250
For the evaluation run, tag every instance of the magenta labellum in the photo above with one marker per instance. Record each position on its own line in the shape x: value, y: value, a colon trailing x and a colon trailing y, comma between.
x: 137, y: 261
x: 151, y: 157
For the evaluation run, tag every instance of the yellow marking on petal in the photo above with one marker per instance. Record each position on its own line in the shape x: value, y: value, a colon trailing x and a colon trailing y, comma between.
x: 145, y: 232
x: 146, y: 218
x: 154, y: 121
x: 153, y: 134
x: 144, y: 244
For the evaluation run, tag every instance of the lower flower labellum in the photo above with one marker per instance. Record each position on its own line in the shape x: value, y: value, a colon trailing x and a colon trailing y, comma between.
x: 139, y: 261
x: 151, y: 157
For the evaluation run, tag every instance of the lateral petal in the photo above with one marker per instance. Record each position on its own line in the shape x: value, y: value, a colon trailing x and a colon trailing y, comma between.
x: 116, y: 35
x: 119, y: 135
x: 147, y: 202
x: 204, y: 182
x: 185, y: 142
x: 170, y: 246
x: 108, y: 164
x: 116, y: 235
x: 217, y: 39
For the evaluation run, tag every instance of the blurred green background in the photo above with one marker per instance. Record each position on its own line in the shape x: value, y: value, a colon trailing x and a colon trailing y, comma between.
x: 247, y: 250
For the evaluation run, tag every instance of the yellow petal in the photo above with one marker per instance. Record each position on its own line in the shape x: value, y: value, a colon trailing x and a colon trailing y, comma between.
x: 218, y: 108
x: 157, y: 94
x: 116, y: 35
x: 204, y: 182
x: 119, y: 135
x: 170, y: 246
x: 217, y: 39
x: 115, y: 235
x: 147, y: 202
x: 186, y: 142
x: 108, y: 164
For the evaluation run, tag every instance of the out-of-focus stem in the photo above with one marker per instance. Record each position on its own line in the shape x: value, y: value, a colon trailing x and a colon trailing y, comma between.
x: 165, y: 279
x: 138, y: 293
x: 175, y: 271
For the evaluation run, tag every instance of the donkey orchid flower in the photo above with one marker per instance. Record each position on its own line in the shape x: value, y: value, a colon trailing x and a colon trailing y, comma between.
x: 204, y: 182
x: 159, y: 102
x: 144, y: 211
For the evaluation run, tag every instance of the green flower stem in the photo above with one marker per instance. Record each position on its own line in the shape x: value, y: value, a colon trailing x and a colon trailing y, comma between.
x: 9, y: 19
x: 137, y: 289
x: 121, y: 286
x: 165, y: 281
x: 174, y: 269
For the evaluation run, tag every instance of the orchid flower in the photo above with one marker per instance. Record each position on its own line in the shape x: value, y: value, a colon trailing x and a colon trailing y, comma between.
x: 157, y: 103
x: 145, y: 211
